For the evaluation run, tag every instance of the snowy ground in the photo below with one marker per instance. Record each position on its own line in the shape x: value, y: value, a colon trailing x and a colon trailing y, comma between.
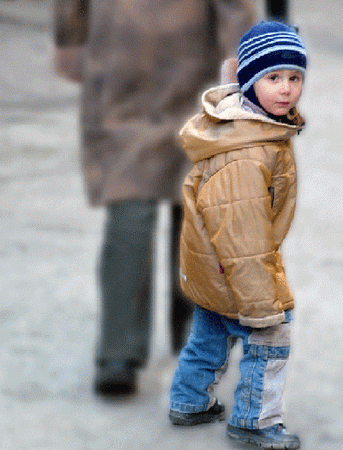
x: 49, y: 247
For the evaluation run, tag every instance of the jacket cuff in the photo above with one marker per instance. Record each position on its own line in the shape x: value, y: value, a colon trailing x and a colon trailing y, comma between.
x: 263, y: 322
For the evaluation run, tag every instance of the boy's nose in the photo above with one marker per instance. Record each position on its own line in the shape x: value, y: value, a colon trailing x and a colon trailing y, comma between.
x: 285, y: 86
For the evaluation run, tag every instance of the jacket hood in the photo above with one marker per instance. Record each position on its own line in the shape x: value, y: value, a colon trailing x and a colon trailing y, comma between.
x: 225, y: 124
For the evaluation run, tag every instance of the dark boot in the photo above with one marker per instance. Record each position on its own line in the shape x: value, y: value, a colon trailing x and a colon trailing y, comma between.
x: 215, y: 414
x: 274, y: 437
x: 115, y: 377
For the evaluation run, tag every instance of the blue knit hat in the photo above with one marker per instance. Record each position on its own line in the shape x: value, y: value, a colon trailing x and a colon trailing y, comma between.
x: 266, y: 47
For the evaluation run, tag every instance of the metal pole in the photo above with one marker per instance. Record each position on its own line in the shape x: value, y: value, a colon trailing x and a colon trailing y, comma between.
x: 278, y: 10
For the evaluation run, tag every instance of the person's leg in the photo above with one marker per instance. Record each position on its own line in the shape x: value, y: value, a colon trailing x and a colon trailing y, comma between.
x: 181, y: 307
x: 258, y: 396
x: 201, y: 363
x: 258, y: 408
x: 125, y: 283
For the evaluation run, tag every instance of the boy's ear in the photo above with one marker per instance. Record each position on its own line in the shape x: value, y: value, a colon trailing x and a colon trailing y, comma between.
x: 228, y: 72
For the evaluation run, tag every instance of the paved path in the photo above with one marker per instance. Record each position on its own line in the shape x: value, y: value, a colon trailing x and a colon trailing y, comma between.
x: 49, y: 247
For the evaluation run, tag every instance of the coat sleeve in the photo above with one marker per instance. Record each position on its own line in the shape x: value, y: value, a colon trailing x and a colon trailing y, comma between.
x: 236, y: 207
x: 71, y: 18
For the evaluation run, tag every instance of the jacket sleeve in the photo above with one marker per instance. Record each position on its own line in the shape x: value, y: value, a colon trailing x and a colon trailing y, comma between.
x: 71, y: 18
x: 236, y: 207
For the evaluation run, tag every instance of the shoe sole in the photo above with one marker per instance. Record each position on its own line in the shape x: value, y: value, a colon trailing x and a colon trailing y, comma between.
x: 265, y: 445
x: 115, y: 386
x: 196, y: 420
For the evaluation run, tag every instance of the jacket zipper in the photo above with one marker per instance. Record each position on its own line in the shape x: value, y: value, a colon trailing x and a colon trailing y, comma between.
x: 272, y: 193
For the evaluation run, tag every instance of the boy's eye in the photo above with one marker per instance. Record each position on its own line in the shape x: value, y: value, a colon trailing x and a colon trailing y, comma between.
x: 273, y: 77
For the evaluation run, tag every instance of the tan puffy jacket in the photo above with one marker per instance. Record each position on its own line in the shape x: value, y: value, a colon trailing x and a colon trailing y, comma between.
x: 239, y: 202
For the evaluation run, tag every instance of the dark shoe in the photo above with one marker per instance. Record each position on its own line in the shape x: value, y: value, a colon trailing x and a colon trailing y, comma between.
x: 115, y: 377
x: 215, y: 414
x: 275, y: 437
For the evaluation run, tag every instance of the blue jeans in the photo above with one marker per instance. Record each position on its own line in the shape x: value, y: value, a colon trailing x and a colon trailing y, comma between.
x: 258, y: 396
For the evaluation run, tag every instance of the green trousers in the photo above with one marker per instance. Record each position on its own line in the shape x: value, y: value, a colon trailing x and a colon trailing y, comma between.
x: 125, y: 278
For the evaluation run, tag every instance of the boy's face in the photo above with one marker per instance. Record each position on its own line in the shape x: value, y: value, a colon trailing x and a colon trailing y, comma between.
x: 279, y: 91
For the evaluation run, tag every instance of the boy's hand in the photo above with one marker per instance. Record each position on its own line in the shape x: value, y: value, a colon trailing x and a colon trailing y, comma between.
x: 228, y: 72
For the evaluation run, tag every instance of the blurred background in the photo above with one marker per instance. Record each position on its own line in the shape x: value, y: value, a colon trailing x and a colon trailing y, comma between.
x: 49, y: 247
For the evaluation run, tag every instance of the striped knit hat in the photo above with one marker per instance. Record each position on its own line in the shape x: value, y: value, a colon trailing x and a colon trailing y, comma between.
x: 266, y: 47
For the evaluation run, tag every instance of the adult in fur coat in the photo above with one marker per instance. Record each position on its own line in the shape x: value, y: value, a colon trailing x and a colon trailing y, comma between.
x: 142, y: 64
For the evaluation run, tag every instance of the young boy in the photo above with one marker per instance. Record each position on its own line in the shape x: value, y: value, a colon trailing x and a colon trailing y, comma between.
x: 239, y: 202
